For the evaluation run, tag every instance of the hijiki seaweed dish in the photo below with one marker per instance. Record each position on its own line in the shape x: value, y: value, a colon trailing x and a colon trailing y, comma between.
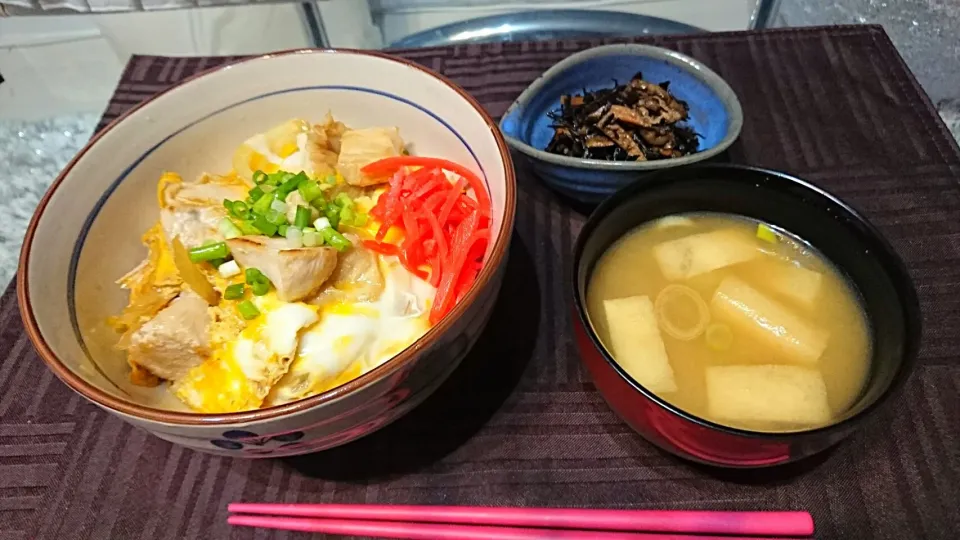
x: 637, y: 121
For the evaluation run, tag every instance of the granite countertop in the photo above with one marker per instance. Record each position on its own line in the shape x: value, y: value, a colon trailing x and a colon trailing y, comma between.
x: 33, y: 154
x: 926, y: 33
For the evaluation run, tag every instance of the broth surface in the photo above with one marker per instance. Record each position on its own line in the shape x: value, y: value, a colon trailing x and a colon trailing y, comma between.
x: 825, y: 334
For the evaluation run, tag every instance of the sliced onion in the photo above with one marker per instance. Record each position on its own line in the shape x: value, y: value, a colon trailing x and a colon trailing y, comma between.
x: 192, y: 275
x: 670, y: 295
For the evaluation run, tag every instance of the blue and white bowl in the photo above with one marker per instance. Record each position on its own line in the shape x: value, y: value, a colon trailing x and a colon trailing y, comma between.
x: 715, y: 114
x: 86, y: 234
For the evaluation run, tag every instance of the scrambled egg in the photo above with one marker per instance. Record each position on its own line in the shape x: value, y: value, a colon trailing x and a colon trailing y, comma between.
x: 293, y: 350
x: 351, y: 339
x: 282, y: 148
x: 241, y: 372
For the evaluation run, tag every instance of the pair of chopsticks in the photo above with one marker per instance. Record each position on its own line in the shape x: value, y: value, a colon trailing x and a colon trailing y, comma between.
x: 493, y: 523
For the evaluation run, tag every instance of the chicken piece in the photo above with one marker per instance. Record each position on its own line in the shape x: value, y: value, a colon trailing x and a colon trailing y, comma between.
x: 324, y: 145
x: 173, y: 342
x: 193, y: 226
x: 152, y: 285
x: 192, y: 211
x: 296, y: 273
x: 361, y: 147
x: 208, y: 191
x: 357, y: 278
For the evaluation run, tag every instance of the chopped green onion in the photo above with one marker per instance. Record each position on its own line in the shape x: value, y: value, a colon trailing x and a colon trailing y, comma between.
x: 719, y: 337
x: 247, y: 310
x: 302, y: 219
x: 262, y: 206
x: 292, y: 183
x: 233, y: 292
x: 279, y: 206
x: 275, y: 217
x: 259, y: 177
x: 276, y: 178
x: 321, y: 223
x: 228, y: 230
x: 267, y: 188
x: 360, y: 220
x: 335, y: 239
x: 260, y: 289
x: 237, y: 209
x: 310, y: 190
x: 330, y: 179
x: 767, y: 234
x: 254, y: 275
x: 241, y: 209
x: 333, y: 215
x: 228, y: 269
x: 259, y: 283
x: 282, y: 229
x: 294, y: 238
x: 344, y: 201
x: 209, y: 252
x: 216, y: 262
x: 256, y: 193
x: 347, y: 216
x: 320, y: 203
x: 246, y: 227
x: 311, y: 238
x: 264, y: 226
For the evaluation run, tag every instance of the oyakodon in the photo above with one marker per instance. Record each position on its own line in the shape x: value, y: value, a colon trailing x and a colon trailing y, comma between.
x: 322, y: 254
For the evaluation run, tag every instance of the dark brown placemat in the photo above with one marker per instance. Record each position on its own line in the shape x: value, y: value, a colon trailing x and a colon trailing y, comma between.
x: 520, y: 423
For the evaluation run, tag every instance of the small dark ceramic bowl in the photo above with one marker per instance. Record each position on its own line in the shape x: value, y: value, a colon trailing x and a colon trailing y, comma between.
x: 714, y: 113
x: 854, y: 246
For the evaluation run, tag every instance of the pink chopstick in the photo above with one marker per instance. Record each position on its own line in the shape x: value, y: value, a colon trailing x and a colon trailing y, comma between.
x: 435, y: 531
x: 663, y: 521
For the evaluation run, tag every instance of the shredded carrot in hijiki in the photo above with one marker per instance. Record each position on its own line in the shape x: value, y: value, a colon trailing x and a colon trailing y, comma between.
x: 445, y: 229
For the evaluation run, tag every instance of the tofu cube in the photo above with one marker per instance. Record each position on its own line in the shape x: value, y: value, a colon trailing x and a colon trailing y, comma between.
x: 782, y: 395
x: 690, y: 256
x: 767, y: 321
x: 636, y: 343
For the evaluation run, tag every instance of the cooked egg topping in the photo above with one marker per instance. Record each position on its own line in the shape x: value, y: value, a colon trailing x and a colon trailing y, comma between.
x: 294, y: 349
x: 351, y: 339
x: 241, y: 372
x: 282, y: 148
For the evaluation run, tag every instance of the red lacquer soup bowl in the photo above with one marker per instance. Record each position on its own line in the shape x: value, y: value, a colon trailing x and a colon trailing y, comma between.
x: 843, y: 236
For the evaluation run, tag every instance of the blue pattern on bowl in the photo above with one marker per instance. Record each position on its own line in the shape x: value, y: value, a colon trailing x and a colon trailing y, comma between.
x: 715, y: 114
x: 251, y: 443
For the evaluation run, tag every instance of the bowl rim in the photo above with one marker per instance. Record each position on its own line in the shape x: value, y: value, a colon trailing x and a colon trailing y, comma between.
x: 893, y: 263
x: 391, y: 366
x: 678, y: 59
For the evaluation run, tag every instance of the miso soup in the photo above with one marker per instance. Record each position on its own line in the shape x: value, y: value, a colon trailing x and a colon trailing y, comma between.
x: 733, y: 321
